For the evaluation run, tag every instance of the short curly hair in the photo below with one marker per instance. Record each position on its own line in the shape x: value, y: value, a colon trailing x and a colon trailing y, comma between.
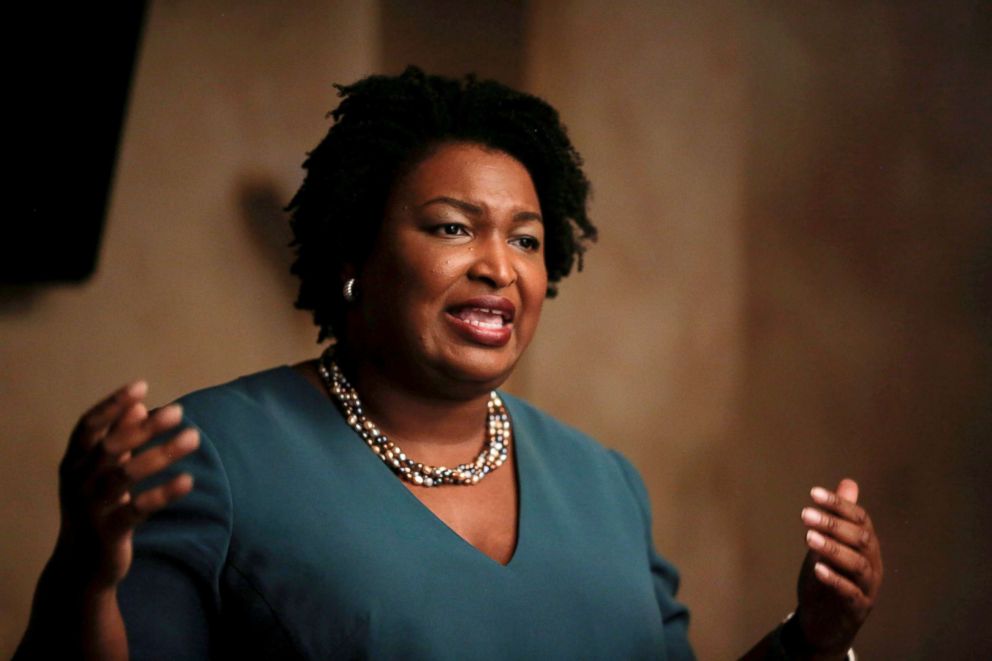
x: 382, y: 128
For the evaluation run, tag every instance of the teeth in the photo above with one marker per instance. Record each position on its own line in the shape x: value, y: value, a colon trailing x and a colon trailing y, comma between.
x: 487, y: 318
x: 482, y: 324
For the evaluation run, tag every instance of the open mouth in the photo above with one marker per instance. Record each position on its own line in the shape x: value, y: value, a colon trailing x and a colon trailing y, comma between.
x: 484, y: 320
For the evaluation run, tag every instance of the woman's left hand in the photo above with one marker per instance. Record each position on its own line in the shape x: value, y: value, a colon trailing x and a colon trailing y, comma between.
x: 842, y: 573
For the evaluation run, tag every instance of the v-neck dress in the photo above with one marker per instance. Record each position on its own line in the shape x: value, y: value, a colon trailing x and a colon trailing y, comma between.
x: 297, y: 542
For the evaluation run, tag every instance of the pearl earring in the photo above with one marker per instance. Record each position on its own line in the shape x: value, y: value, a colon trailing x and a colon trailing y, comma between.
x: 349, y: 290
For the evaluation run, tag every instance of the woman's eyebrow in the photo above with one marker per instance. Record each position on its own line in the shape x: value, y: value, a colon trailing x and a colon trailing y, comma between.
x: 467, y: 207
x: 525, y: 216
x: 476, y: 210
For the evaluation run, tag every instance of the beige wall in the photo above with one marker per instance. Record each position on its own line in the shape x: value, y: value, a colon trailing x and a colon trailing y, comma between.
x: 792, y: 286
x: 792, y: 283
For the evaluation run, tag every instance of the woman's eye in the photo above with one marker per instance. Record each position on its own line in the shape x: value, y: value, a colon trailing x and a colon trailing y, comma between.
x: 528, y: 243
x: 451, y: 229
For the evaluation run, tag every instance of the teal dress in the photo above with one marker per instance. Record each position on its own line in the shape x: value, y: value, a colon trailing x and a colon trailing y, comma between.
x: 298, y: 542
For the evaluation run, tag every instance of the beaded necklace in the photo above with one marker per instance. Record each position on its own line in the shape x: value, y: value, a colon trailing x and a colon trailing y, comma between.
x: 492, y: 456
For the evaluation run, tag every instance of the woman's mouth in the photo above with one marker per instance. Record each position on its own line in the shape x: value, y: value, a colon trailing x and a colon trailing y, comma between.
x: 487, y: 321
x: 481, y: 317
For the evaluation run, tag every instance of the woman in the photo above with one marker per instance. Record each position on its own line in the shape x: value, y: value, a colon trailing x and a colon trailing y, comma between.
x: 343, y: 507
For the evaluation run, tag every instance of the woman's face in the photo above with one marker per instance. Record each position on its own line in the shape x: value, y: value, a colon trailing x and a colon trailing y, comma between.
x: 452, y: 292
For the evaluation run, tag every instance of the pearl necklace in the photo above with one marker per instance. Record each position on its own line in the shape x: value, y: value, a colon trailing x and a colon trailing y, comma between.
x: 493, y: 454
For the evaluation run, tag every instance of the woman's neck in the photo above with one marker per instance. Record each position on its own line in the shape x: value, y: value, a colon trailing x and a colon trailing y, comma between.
x: 433, y: 423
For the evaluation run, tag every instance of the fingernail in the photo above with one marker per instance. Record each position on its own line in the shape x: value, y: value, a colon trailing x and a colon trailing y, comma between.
x: 170, y: 414
x: 820, y: 494
x: 811, y: 516
x: 821, y: 570
x: 815, y: 539
x: 186, y: 441
x: 137, y: 388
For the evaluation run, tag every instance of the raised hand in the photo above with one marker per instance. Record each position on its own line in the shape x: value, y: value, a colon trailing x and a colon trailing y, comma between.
x: 96, y: 477
x: 75, y: 612
x: 842, y: 573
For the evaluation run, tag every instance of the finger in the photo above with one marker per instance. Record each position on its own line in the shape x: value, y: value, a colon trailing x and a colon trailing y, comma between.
x: 842, y: 586
x: 162, y: 456
x: 150, y: 501
x: 840, y: 506
x: 108, y: 455
x: 114, y: 474
x: 134, y: 433
x: 842, y: 559
x: 854, y: 535
x: 128, y: 421
x: 100, y: 478
x: 133, y: 509
x: 848, y: 490
x: 105, y: 451
x: 93, y: 424
x: 860, y: 537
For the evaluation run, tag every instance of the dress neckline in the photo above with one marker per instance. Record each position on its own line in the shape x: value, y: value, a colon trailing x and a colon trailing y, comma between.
x: 391, y: 484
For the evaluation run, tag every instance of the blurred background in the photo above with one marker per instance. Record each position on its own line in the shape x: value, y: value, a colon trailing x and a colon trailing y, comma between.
x: 793, y: 282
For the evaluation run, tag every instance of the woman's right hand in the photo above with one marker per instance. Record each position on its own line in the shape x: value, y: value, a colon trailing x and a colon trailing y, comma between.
x: 101, y: 466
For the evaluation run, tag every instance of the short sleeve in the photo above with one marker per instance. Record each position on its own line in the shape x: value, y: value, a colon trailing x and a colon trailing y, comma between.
x: 674, y: 615
x: 170, y: 599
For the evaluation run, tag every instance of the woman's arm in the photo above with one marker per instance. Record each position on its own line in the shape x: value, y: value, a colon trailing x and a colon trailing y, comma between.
x: 75, y: 612
x: 838, y: 583
x: 72, y: 620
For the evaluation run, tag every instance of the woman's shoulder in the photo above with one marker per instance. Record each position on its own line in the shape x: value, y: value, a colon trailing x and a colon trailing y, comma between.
x: 557, y: 436
x: 523, y: 413
x: 256, y: 387
x: 261, y: 393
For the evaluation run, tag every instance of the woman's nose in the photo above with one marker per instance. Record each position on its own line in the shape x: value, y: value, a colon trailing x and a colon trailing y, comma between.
x: 493, y: 264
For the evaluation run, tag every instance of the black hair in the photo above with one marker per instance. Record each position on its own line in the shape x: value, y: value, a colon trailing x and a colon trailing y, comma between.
x: 384, y: 126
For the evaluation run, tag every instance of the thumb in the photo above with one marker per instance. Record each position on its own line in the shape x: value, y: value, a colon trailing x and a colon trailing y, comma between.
x: 848, y: 490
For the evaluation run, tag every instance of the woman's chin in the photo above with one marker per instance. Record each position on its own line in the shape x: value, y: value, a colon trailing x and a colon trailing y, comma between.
x: 484, y: 368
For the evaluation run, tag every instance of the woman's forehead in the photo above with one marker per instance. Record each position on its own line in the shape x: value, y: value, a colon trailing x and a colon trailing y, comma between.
x: 471, y: 173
